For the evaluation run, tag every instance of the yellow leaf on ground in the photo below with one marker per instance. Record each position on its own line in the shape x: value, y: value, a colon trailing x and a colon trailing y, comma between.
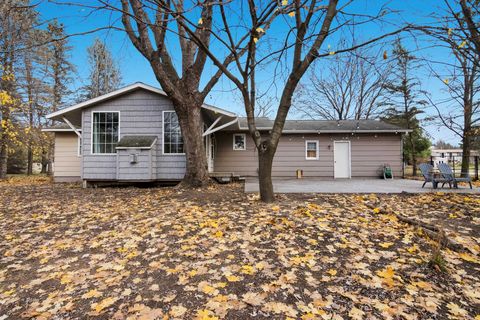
x: 247, y: 269
x: 94, y: 293
x: 208, y: 289
x: 105, y: 303
x: 66, y: 278
x: 332, y: 272
x: 467, y: 257
x: 387, y: 275
x: 233, y: 278
x: 386, y: 244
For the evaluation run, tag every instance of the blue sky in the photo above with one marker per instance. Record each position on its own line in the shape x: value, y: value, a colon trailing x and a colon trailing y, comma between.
x: 134, y: 66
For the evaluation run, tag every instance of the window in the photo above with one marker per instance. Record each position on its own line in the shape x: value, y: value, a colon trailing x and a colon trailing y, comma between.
x: 105, y: 132
x: 172, y: 135
x: 311, y: 150
x: 239, y: 142
x: 79, y: 150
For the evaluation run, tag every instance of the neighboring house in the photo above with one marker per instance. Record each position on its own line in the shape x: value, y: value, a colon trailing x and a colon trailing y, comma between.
x: 133, y: 134
x: 450, y: 156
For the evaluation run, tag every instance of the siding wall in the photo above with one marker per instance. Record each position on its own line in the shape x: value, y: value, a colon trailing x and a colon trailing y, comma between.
x: 368, y: 154
x: 140, y: 114
x: 141, y: 170
x: 67, y: 162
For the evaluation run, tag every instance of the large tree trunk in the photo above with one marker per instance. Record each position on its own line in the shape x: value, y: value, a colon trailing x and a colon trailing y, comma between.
x: 3, y: 157
x: 29, y: 159
x: 50, y: 159
x: 44, y: 161
x: 196, y: 172
x: 265, y: 162
x: 413, y: 155
x: 465, y: 153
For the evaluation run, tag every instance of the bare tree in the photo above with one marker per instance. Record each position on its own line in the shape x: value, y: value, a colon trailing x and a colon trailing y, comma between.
x: 311, y: 25
x: 344, y: 87
x: 471, y: 16
x: 460, y: 113
x: 457, y: 31
x: 180, y: 69
x: 16, y: 17
x: 57, y: 76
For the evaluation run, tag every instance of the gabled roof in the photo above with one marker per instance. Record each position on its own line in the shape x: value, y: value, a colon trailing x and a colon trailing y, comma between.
x: 325, y: 126
x: 138, y: 85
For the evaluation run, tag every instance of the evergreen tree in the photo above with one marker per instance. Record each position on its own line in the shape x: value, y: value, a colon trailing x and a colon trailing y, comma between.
x: 403, y: 103
x: 105, y: 75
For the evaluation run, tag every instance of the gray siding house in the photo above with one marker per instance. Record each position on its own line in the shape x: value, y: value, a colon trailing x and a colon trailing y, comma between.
x: 133, y: 134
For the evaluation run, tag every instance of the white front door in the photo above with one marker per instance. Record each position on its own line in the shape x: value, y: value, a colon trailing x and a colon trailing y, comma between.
x: 341, y: 159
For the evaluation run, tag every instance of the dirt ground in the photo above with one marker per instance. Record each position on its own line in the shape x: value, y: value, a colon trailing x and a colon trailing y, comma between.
x: 146, y: 253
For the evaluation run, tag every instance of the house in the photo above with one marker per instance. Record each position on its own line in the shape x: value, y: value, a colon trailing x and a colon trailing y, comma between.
x: 450, y: 156
x: 133, y: 134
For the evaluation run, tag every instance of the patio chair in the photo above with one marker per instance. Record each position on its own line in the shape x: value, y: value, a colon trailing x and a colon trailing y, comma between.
x: 447, y: 173
x: 427, y: 172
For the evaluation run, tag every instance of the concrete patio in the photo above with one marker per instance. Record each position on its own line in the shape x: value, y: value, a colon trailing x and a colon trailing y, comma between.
x: 317, y: 185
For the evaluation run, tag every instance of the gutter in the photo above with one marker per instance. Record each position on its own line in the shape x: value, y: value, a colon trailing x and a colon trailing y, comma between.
x: 335, y: 131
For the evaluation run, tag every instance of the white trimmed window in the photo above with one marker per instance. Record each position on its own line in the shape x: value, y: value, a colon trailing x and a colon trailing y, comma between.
x: 79, y: 150
x: 105, y: 132
x: 311, y: 150
x: 239, y: 141
x: 172, y: 135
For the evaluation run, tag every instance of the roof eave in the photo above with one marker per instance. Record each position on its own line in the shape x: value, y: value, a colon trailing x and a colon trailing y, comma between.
x: 336, y: 131
x: 58, y: 130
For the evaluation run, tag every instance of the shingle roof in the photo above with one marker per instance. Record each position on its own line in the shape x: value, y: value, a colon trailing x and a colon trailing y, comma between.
x: 59, y: 127
x: 263, y: 123
x: 136, y: 142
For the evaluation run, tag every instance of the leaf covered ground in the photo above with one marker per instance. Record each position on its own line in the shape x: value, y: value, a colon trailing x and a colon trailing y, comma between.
x: 146, y: 253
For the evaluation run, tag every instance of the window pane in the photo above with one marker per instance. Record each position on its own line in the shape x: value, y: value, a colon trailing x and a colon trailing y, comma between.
x: 105, y: 132
x: 172, y: 136
x: 312, y: 150
x: 239, y: 142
